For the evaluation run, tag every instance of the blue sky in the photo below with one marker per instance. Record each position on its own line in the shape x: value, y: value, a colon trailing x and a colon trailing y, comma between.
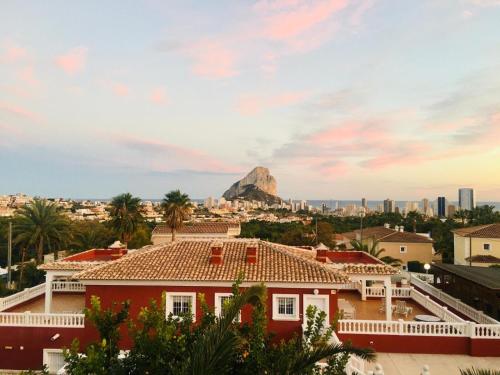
x: 339, y: 98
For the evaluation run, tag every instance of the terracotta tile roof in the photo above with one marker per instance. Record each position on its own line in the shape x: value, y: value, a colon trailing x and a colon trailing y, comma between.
x: 69, y: 266
x: 369, y: 269
x: 189, y: 261
x: 480, y: 231
x: 198, y: 228
x: 384, y: 234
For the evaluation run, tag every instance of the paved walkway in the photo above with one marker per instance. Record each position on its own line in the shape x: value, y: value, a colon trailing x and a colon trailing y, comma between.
x: 439, y: 364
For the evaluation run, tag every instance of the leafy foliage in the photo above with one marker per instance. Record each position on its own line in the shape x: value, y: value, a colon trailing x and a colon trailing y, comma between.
x: 177, y: 207
x: 125, y: 215
x: 216, y: 345
x: 42, y: 225
x: 476, y: 371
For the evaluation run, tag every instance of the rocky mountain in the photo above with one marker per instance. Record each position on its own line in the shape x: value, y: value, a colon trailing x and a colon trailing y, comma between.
x: 258, y: 185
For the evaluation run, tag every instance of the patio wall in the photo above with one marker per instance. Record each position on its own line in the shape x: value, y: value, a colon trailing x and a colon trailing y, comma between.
x: 22, y: 347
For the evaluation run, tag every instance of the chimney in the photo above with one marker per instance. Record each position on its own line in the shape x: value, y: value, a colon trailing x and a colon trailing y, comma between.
x: 321, y: 255
x: 401, y: 228
x: 387, y: 225
x: 396, y: 228
x: 216, y: 253
x: 251, y: 253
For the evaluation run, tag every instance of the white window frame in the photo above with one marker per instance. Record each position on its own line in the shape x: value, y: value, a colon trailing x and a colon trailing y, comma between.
x: 170, y: 303
x: 489, y: 246
x: 401, y: 247
x: 278, y: 316
x: 218, y: 304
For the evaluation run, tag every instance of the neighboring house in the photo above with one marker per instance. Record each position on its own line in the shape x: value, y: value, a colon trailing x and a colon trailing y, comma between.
x: 478, y: 287
x: 477, y: 246
x: 406, y: 246
x: 204, y: 230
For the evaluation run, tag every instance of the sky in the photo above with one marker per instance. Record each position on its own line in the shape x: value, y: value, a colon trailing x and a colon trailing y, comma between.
x: 340, y: 99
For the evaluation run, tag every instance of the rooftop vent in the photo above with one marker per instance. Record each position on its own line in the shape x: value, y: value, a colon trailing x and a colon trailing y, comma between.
x: 251, y: 253
x: 321, y: 255
x: 216, y: 253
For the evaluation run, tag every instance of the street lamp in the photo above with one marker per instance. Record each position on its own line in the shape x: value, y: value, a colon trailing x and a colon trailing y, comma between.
x: 427, y: 267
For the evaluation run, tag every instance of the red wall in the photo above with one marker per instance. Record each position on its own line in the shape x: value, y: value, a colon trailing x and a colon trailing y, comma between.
x: 407, y: 344
x: 140, y: 296
x: 32, y: 340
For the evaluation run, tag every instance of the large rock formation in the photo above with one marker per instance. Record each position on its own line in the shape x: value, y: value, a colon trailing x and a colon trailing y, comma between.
x: 258, y: 185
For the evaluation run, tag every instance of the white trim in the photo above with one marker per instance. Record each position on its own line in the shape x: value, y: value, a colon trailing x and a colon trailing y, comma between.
x: 228, y: 284
x: 218, y: 305
x: 403, y: 249
x: 325, y: 297
x: 489, y: 246
x: 277, y: 316
x: 170, y: 307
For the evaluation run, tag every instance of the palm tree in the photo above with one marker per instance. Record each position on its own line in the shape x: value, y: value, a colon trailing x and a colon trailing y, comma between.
x: 476, y: 371
x: 374, y: 251
x: 125, y: 216
x: 42, y: 225
x: 177, y: 208
x: 463, y: 215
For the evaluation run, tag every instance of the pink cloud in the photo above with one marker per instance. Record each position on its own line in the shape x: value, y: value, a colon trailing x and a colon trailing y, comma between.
x: 12, y: 52
x: 120, y: 89
x: 297, y: 18
x: 253, y: 104
x: 27, y: 75
x: 164, y: 157
x: 19, y: 112
x: 358, y: 14
x: 212, y: 59
x: 73, y: 61
x: 159, y: 96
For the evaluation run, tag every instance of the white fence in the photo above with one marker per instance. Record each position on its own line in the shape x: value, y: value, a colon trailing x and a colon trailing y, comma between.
x: 405, y: 328
x: 486, y: 331
x: 23, y: 296
x: 455, y: 303
x: 373, y: 291
x: 67, y: 286
x: 435, y: 308
x: 41, y: 320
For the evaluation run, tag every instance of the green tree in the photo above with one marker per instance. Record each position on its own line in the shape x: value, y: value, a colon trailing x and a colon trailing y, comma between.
x: 91, y: 235
x: 101, y: 357
x: 177, y: 207
x: 373, y: 250
x: 125, y: 216
x: 42, y: 225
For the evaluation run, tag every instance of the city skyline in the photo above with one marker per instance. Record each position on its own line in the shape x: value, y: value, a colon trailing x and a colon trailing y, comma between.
x: 337, y: 98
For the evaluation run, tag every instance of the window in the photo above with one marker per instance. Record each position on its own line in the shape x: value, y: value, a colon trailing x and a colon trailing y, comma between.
x: 403, y: 249
x: 220, y: 300
x: 404, y: 267
x: 486, y: 246
x: 181, y: 304
x: 285, y: 307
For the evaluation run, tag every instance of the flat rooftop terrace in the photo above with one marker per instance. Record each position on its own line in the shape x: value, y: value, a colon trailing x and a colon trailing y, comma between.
x: 61, y: 303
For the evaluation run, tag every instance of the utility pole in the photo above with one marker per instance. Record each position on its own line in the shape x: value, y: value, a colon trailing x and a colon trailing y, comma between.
x: 9, y: 257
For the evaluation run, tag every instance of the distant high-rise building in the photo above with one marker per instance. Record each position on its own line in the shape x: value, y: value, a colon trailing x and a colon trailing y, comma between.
x: 466, y: 198
x: 324, y: 208
x: 425, y: 206
x: 442, y: 206
x: 210, y: 202
x: 389, y: 206
x: 303, y: 205
x: 363, y: 203
x: 451, y: 210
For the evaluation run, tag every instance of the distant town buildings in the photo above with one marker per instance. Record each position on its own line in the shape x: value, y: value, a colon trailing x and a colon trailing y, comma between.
x: 466, y: 198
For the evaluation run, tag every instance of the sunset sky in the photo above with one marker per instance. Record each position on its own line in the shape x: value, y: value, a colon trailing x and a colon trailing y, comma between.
x: 339, y: 99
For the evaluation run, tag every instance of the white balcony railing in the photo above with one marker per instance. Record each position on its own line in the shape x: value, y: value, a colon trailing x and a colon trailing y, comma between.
x: 401, y: 327
x: 454, y: 303
x: 41, y: 320
x: 373, y: 291
x: 23, y: 296
x: 486, y: 331
x: 67, y: 286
